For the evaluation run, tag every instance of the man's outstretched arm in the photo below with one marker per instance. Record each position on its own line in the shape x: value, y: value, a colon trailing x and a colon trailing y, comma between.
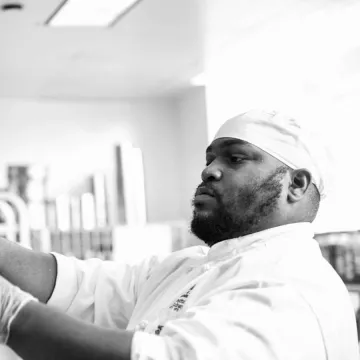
x: 32, y: 271
x: 40, y: 332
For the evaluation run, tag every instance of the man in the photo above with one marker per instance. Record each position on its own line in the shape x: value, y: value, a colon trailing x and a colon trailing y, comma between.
x: 260, y: 290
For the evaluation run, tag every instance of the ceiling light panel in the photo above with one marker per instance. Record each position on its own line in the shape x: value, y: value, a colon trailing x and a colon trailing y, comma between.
x: 90, y: 12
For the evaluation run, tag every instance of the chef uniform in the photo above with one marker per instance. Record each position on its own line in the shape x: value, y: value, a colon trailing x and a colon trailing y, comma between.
x: 269, y: 295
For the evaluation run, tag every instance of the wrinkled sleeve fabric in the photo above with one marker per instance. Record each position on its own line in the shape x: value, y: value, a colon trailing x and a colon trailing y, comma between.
x: 97, y: 291
x: 252, y: 324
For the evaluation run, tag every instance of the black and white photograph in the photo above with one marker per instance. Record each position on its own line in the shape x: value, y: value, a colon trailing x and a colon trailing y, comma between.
x: 179, y: 179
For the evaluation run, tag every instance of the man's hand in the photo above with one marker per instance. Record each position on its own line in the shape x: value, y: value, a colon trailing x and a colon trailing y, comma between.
x: 36, y: 331
x: 12, y: 300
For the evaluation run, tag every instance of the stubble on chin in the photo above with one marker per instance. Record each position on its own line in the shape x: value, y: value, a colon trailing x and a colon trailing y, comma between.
x: 241, y: 214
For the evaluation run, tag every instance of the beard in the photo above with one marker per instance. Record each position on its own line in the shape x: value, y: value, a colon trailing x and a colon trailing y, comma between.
x: 241, y: 213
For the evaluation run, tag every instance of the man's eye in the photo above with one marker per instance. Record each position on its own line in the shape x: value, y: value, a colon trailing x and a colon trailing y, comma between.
x: 236, y: 159
x: 208, y: 161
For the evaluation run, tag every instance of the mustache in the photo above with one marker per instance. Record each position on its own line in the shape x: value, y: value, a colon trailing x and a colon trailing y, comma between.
x: 214, y: 192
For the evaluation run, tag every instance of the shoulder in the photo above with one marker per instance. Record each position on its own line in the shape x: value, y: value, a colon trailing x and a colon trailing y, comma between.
x: 163, y: 265
x: 187, y: 255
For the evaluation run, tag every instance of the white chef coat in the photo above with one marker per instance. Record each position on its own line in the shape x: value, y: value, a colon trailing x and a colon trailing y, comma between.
x: 265, y: 296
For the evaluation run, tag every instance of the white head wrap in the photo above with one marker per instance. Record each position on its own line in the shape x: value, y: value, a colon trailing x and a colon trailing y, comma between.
x: 282, y: 137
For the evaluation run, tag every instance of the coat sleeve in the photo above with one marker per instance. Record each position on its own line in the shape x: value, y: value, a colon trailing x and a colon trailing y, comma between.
x: 253, y: 324
x: 101, y: 292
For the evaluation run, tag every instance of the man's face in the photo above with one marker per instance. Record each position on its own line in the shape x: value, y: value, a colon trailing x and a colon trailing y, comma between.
x: 239, y: 193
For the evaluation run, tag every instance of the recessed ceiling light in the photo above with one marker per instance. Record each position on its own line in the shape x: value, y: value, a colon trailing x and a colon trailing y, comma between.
x: 90, y: 12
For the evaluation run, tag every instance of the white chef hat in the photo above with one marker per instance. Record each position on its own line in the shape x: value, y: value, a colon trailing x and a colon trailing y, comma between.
x: 282, y: 137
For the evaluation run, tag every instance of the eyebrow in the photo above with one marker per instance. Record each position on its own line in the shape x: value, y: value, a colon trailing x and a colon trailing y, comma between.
x: 228, y: 142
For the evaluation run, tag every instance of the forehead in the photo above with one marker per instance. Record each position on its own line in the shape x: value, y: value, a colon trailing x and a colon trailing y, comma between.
x: 226, y: 142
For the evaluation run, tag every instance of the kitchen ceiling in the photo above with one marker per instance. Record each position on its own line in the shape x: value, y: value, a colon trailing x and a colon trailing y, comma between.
x: 154, y: 50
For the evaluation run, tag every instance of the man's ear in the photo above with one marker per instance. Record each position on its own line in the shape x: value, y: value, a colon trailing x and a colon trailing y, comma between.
x: 300, y: 181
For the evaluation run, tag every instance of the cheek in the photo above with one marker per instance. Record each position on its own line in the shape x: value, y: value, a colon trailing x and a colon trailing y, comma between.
x: 241, y: 180
x: 239, y: 188
x: 238, y: 198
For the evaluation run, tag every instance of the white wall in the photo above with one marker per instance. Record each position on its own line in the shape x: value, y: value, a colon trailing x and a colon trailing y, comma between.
x: 192, y: 134
x: 191, y: 108
x: 78, y: 138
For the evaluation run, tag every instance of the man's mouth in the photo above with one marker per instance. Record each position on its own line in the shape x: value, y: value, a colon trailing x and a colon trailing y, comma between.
x: 204, y: 195
x: 203, y: 190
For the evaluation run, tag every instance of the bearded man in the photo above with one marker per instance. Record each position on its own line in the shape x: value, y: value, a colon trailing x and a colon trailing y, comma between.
x: 259, y: 290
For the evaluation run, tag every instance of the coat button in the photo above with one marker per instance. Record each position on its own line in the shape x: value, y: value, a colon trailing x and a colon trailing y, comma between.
x: 141, y: 326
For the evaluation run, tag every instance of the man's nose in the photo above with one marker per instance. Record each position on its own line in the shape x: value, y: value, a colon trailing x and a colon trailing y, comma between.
x: 212, y: 172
